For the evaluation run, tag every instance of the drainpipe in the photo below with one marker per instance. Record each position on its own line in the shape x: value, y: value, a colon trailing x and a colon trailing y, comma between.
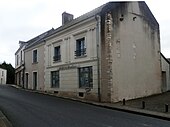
x: 98, y: 42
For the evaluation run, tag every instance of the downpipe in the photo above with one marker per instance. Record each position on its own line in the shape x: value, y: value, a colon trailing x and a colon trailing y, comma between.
x: 98, y: 42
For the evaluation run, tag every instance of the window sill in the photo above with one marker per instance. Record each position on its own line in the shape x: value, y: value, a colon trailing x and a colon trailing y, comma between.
x: 53, y: 87
x: 85, y: 87
x: 58, y: 61
x: 77, y: 57
x: 35, y: 63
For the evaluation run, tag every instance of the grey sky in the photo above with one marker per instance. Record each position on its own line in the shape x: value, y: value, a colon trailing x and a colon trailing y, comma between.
x: 25, y: 19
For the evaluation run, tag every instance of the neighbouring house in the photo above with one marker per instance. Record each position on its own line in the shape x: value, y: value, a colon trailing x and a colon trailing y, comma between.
x: 3, y: 76
x: 19, y: 64
x: 108, y: 54
x: 165, y: 64
x: 34, y: 62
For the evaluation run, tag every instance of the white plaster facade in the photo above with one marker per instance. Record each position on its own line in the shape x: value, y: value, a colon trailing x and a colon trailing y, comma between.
x: 69, y: 64
x: 3, y: 76
x: 34, y: 62
x: 37, y: 67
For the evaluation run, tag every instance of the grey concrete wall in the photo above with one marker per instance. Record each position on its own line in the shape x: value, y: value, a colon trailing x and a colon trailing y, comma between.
x: 136, y: 55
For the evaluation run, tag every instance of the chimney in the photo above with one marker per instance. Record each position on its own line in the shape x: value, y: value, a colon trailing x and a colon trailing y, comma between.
x: 66, y: 17
x: 21, y: 43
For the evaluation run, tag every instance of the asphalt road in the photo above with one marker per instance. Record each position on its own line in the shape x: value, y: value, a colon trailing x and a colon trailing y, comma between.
x: 28, y: 109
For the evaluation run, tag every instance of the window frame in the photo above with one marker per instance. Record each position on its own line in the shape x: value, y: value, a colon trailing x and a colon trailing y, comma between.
x: 17, y: 60
x: 21, y: 57
x: 82, y: 72
x: 57, y: 54
x: 55, y: 76
x: 35, y: 59
x: 80, y: 47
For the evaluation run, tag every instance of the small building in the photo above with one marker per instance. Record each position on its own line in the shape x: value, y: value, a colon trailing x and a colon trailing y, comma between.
x: 165, y: 64
x: 34, y: 62
x: 19, y: 64
x: 3, y: 76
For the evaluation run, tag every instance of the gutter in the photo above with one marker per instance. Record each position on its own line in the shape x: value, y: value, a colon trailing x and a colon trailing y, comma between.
x: 98, y: 42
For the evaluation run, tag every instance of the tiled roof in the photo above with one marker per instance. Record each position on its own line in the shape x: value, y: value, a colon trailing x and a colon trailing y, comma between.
x: 38, y: 39
x: 102, y: 9
x: 79, y: 19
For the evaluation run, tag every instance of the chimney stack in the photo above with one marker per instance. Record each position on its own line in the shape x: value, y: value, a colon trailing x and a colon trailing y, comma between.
x: 66, y: 17
x: 21, y: 43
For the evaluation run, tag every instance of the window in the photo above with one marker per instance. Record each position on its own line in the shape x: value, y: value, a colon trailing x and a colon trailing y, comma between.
x: 17, y: 59
x: 21, y: 58
x: 57, y: 55
x: 35, y: 56
x: 55, y: 79
x: 2, y: 73
x: 85, y: 77
x: 80, y: 47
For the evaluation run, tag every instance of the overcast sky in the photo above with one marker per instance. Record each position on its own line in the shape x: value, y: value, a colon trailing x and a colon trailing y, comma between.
x: 25, y: 19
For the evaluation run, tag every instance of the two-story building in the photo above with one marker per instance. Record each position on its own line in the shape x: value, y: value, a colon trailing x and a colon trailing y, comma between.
x: 19, y: 64
x: 3, y: 76
x: 107, y: 54
x: 34, y: 62
x: 110, y: 53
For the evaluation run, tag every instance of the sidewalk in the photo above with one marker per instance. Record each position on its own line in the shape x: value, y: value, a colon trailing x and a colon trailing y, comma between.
x: 4, y: 121
x: 154, y: 105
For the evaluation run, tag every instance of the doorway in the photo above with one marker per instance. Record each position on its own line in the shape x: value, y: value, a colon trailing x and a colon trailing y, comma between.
x: 35, y: 80
x: 26, y: 80
x: 1, y: 81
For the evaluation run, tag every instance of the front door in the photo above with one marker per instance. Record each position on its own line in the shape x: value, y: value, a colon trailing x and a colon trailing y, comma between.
x: 34, y: 80
x: 26, y: 80
x: 1, y: 81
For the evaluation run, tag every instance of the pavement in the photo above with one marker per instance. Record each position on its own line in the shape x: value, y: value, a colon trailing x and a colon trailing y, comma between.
x: 4, y: 121
x: 156, y: 106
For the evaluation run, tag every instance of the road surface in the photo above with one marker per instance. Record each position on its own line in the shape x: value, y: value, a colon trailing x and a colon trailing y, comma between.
x: 28, y: 109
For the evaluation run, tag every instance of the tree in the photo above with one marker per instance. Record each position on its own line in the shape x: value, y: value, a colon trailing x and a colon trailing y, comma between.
x: 10, y: 72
